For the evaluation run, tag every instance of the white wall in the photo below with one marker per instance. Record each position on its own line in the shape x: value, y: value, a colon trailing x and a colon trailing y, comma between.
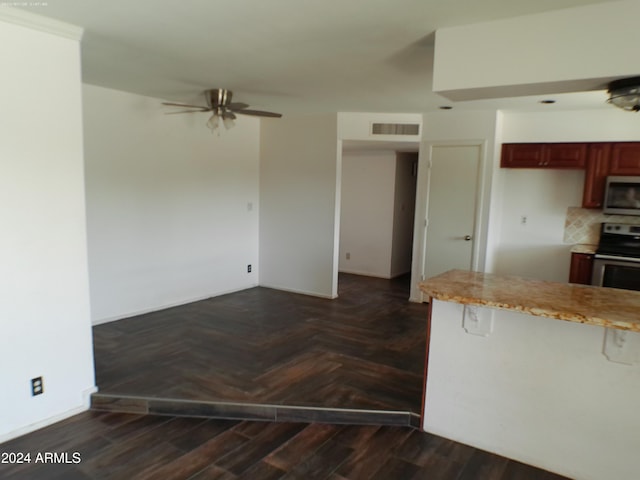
x: 299, y: 202
x: 536, y: 249
x: 602, y: 125
x: 536, y: 390
x: 44, y: 292
x: 172, y: 208
x: 566, y: 50
x: 367, y: 212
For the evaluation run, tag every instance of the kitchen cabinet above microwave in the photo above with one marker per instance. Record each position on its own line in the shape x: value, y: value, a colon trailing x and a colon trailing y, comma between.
x: 604, y: 160
x: 598, y: 159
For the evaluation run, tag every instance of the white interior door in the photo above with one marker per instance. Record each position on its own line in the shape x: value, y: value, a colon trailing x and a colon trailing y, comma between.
x: 451, y: 208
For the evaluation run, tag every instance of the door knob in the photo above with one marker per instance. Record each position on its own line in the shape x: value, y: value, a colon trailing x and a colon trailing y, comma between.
x: 467, y: 238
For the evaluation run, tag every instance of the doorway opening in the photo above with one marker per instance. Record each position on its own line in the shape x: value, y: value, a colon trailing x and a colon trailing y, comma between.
x: 377, y: 211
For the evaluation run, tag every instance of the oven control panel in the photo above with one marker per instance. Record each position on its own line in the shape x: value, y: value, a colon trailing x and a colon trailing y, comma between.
x: 620, y: 229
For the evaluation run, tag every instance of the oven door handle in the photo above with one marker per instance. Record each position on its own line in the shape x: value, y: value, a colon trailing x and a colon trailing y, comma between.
x: 616, y: 258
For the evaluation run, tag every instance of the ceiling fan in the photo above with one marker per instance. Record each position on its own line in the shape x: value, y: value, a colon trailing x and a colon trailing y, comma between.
x: 219, y: 102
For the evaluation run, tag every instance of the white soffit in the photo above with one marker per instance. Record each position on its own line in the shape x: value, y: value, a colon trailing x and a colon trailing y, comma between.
x: 38, y: 22
x: 570, y: 50
x: 286, y: 56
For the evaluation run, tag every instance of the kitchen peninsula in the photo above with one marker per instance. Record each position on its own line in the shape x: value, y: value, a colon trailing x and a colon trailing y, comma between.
x: 542, y: 372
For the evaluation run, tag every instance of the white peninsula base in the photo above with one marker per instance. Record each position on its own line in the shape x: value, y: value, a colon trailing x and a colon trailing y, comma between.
x: 534, y: 389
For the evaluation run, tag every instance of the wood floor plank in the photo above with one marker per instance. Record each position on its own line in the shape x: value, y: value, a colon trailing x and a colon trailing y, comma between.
x: 378, y: 449
x: 483, y: 465
x: 272, y: 436
x: 194, y: 461
x: 202, y: 433
x: 324, y: 461
x: 263, y: 471
x: 396, y: 468
x: 300, y: 446
x: 213, y: 473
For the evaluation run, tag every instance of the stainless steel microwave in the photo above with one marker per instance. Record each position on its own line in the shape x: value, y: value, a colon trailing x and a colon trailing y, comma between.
x: 622, y: 195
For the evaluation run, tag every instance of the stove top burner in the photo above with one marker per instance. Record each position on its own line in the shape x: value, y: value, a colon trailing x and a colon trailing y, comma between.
x: 619, y: 240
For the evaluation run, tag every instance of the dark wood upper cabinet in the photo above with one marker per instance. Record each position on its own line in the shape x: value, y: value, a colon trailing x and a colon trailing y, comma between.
x: 599, y: 160
x: 522, y: 155
x: 595, y: 177
x: 544, y: 155
x: 566, y: 155
x: 625, y: 159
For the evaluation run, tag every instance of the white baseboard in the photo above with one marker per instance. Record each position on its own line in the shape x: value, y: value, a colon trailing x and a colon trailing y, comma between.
x: 86, y: 403
x: 365, y: 274
x: 374, y: 275
x: 135, y: 313
x: 301, y: 292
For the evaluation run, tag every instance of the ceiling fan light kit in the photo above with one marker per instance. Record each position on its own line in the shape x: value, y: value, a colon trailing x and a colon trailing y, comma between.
x: 625, y: 94
x: 219, y: 102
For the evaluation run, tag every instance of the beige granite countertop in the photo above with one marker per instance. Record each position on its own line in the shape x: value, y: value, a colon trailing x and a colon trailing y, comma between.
x: 584, y: 248
x: 606, y: 307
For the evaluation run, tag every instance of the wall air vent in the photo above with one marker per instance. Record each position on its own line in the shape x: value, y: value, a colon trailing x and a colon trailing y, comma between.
x: 395, y: 129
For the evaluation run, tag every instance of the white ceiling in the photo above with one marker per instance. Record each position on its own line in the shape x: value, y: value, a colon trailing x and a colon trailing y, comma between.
x: 286, y: 55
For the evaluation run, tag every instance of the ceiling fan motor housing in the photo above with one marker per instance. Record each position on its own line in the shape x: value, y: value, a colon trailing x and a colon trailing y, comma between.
x: 218, y: 97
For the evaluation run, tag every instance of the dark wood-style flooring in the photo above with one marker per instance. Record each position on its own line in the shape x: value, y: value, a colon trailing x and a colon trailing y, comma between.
x: 364, y: 350
x: 122, y: 446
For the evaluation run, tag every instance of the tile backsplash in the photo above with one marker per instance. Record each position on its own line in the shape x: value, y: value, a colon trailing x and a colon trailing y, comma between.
x: 582, y: 225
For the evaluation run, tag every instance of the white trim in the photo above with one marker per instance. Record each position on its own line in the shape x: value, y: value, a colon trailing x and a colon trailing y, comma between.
x: 168, y: 305
x: 301, y: 292
x: 41, y: 23
x: 373, y: 275
x: 86, y: 403
x: 366, y: 274
x: 422, y: 199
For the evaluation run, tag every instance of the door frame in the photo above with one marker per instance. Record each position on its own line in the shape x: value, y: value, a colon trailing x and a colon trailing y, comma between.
x: 478, y: 255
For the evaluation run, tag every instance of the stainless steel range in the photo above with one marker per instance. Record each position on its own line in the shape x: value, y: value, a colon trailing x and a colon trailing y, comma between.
x: 617, y: 260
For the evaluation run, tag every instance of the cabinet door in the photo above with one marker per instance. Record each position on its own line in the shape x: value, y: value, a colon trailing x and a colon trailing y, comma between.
x: 596, y: 171
x: 625, y: 159
x: 581, y: 268
x: 566, y: 155
x: 522, y: 155
x: 543, y: 155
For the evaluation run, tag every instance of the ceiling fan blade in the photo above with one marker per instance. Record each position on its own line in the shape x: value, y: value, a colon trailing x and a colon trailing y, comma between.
x: 200, y: 107
x: 185, y: 111
x: 237, y: 106
x: 228, y: 114
x: 259, y: 113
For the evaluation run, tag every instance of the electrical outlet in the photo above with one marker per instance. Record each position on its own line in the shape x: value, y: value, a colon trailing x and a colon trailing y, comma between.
x: 249, y: 268
x: 37, y: 387
x: 348, y: 255
x: 477, y: 320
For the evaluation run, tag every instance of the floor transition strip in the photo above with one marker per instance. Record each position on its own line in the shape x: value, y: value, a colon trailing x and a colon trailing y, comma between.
x: 246, y: 411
